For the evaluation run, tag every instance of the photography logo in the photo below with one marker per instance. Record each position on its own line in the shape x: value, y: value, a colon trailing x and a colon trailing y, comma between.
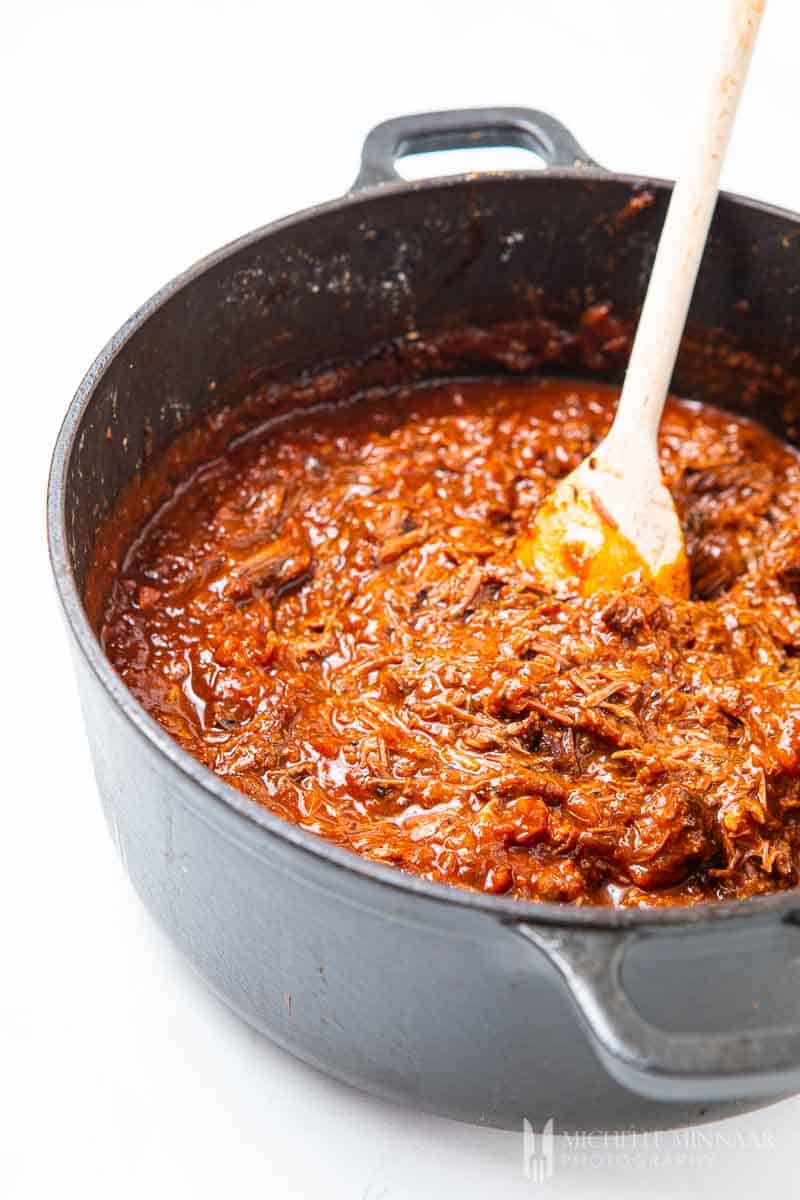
x: 538, y: 1151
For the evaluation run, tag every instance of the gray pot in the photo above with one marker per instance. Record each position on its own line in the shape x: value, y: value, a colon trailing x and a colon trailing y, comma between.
x: 478, y: 1007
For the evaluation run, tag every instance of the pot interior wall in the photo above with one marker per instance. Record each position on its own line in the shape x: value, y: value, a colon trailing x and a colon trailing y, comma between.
x: 402, y: 264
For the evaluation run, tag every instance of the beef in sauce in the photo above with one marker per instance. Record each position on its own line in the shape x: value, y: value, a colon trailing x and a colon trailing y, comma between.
x: 330, y: 615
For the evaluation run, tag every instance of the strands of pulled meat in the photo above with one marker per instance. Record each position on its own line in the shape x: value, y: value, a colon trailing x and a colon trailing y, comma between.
x: 334, y: 620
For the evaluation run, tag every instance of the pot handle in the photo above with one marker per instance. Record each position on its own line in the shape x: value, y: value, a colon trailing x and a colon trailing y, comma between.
x: 650, y: 1061
x: 463, y: 128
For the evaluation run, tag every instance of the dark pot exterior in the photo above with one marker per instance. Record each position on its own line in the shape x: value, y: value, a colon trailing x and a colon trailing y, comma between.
x: 475, y: 1007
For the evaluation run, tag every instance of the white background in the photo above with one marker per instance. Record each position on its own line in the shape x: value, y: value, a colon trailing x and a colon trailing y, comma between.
x: 136, y: 137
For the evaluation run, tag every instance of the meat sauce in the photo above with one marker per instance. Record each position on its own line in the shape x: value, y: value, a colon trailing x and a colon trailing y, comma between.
x: 330, y: 615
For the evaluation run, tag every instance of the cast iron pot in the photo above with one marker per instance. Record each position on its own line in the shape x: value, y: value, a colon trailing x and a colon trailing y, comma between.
x: 478, y: 1007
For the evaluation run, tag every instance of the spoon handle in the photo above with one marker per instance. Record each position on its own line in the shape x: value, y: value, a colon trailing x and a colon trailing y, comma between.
x: 682, y: 241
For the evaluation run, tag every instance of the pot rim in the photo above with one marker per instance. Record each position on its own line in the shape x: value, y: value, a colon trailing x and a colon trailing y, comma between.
x: 211, y: 787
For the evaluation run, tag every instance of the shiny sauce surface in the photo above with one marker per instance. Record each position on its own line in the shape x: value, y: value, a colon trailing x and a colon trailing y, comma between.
x: 331, y: 616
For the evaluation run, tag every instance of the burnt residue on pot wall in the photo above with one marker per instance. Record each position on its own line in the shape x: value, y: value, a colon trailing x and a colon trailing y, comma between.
x: 412, y: 274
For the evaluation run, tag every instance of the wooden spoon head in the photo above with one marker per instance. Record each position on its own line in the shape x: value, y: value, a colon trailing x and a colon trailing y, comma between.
x: 596, y: 529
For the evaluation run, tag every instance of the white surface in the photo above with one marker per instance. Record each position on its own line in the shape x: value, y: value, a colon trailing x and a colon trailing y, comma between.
x: 135, y: 138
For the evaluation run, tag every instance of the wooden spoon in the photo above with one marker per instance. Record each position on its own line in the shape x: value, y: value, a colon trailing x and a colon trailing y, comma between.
x: 613, y: 516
